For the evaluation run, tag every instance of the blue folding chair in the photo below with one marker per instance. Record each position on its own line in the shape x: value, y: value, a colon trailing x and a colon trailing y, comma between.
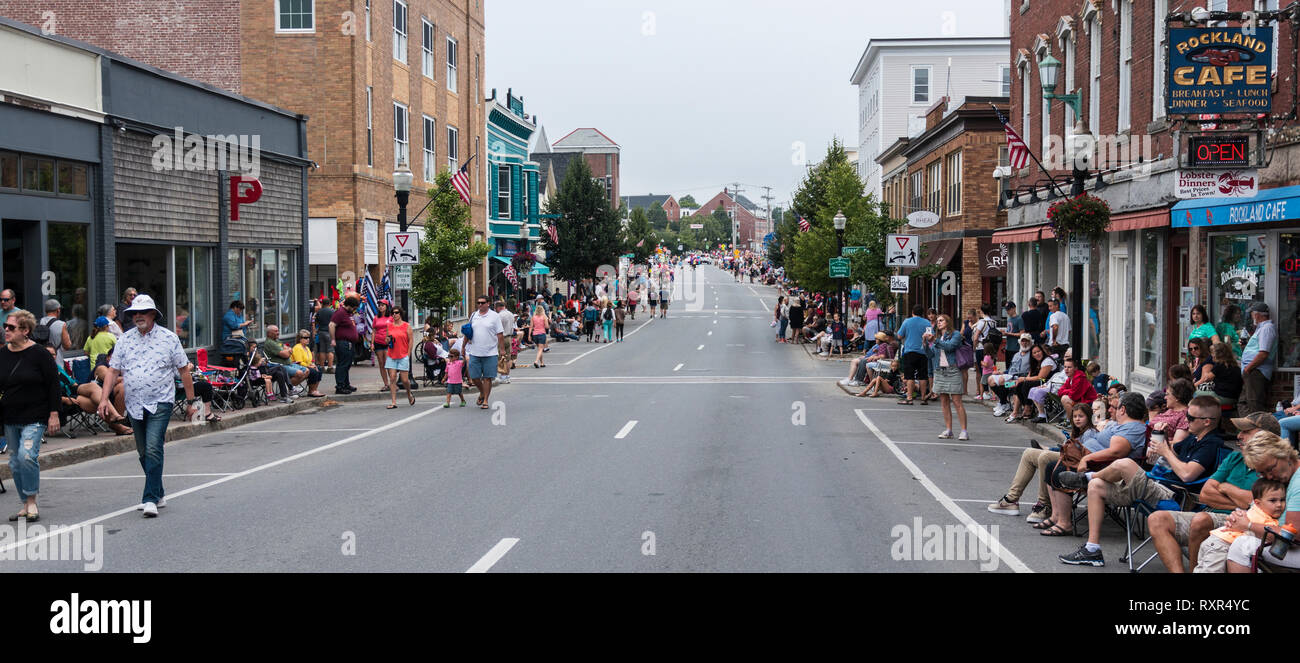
x: 1135, y: 515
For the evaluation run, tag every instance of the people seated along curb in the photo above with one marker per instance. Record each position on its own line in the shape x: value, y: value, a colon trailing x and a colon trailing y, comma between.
x: 1124, y: 482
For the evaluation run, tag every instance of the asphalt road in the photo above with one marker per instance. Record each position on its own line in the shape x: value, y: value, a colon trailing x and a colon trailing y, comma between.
x: 698, y: 444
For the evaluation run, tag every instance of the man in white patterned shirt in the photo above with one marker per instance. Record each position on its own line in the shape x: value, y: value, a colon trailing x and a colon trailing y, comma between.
x: 147, y: 359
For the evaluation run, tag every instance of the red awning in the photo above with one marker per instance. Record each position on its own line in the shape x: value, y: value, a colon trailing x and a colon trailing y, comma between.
x: 1152, y: 218
x: 1020, y: 234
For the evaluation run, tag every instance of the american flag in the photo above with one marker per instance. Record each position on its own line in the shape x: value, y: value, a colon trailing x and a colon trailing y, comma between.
x: 460, y: 182
x: 555, y: 234
x: 386, y: 288
x: 804, y: 226
x: 510, y: 275
x: 640, y: 244
x: 1017, y: 151
x: 370, y: 298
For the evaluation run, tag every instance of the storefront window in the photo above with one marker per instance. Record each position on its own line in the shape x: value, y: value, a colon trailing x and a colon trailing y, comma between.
x: 263, y: 279
x: 68, y: 260
x: 1236, y: 272
x: 1149, y: 292
x: 286, y: 290
x: 179, y: 280
x: 1094, y: 301
x: 1288, y: 298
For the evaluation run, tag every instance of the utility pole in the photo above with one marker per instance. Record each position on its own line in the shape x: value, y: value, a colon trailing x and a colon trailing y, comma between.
x: 767, y: 228
x: 735, y: 213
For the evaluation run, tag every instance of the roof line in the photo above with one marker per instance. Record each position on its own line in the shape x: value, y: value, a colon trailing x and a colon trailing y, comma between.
x: 611, y: 140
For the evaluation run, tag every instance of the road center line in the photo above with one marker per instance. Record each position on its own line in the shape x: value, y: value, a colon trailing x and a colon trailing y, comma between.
x: 979, y: 530
x: 627, y: 428
x: 608, y: 345
x: 710, y: 332
x: 230, y: 477
x: 700, y: 348
x: 493, y: 556
x: 678, y: 367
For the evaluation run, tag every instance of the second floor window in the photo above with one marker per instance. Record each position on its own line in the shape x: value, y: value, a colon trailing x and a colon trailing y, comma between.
x: 920, y: 85
x: 953, y: 166
x: 936, y: 185
x: 451, y: 64
x: 453, y: 150
x: 295, y: 15
x: 918, y: 195
x: 430, y: 153
x: 503, y: 192
x: 401, y: 145
x: 427, y: 48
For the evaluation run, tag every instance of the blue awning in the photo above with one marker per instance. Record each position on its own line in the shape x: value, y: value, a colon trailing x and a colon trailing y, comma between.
x: 1280, y: 204
x: 538, y: 268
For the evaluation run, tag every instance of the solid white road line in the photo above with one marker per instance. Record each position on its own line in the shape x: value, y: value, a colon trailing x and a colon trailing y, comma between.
x: 231, y: 477
x: 493, y: 556
x: 135, y: 476
x: 678, y: 367
x: 627, y: 428
x: 980, y: 531
x: 300, y: 430
x: 966, y: 444
x: 608, y: 345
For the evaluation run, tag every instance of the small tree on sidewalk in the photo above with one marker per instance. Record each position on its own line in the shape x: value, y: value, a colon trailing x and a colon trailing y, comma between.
x: 447, y: 250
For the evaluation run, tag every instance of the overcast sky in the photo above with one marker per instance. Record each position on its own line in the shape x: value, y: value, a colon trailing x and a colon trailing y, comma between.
x: 699, y: 93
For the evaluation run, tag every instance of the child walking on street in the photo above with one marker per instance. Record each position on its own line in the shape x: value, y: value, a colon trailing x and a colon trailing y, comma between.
x: 455, y: 377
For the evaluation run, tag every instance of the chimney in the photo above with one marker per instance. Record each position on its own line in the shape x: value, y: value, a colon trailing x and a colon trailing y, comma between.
x: 935, y: 113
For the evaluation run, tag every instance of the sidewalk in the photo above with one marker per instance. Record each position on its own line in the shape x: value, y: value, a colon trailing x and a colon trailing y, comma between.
x: 57, y: 450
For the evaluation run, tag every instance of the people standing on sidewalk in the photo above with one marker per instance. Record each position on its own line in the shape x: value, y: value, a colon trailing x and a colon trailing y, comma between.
x: 233, y: 321
x: 943, y: 346
x: 1034, y: 321
x: 796, y: 314
x: 324, y: 339
x: 101, y: 341
x: 620, y: 314
x: 1229, y: 328
x: 397, y: 361
x: 1058, y: 328
x: 59, y: 339
x: 344, y: 340
x: 29, y: 395
x: 146, y: 360
x: 482, y: 349
x: 1257, y: 361
x: 380, y: 325
x: 915, y: 362
x: 1015, y: 327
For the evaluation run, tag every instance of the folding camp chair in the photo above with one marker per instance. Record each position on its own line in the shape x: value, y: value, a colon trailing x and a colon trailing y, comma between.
x: 1134, y: 516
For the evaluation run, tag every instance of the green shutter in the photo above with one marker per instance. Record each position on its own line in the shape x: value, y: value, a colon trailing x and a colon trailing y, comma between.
x: 532, y: 198
x: 516, y: 190
x: 493, y: 190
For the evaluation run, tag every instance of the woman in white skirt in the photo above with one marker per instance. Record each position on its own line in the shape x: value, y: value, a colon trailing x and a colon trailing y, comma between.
x: 942, y: 347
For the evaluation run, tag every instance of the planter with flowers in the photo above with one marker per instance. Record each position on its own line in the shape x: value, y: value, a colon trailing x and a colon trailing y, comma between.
x: 523, y: 262
x: 1083, y: 216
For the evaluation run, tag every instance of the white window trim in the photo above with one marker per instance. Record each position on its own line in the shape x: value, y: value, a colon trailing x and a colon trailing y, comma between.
x: 1025, y: 81
x: 934, y: 188
x: 504, y: 212
x: 401, y: 145
x: 428, y: 61
x: 368, y: 20
x: 1160, y: 9
x: 400, y: 35
x: 1124, y: 111
x: 1069, y: 60
x: 370, y: 127
x: 1094, y: 73
x: 292, y: 31
x: 453, y: 63
x: 430, y: 139
x: 999, y: 92
x: 952, y: 163
x: 453, y: 149
x: 929, y: 84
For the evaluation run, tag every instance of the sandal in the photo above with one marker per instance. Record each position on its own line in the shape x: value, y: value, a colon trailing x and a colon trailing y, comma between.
x: 391, y: 407
x: 1055, y: 530
x: 14, y: 518
x: 212, y: 416
x: 483, y: 406
x: 905, y: 401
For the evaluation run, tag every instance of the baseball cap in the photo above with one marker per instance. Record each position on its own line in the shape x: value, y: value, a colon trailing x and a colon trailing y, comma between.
x: 101, y: 321
x: 1008, y: 305
x: 1155, y: 400
x: 1259, y: 307
x: 1261, y: 420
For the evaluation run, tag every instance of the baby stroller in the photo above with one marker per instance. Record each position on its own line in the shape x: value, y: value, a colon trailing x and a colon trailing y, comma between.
x: 245, y: 384
x: 435, y: 367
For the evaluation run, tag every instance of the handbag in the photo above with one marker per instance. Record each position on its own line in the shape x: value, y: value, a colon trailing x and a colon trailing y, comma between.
x: 965, y: 356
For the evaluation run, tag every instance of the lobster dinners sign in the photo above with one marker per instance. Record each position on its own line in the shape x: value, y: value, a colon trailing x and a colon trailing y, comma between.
x: 1217, y: 184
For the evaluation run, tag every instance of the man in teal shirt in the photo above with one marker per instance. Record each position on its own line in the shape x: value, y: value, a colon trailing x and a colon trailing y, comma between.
x: 1227, y: 489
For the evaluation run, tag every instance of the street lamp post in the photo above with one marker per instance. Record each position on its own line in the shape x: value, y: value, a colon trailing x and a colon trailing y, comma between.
x: 840, y: 222
x: 402, y: 178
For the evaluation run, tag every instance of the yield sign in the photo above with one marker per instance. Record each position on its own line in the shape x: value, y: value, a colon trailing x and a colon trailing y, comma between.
x: 902, y: 250
x: 403, y: 248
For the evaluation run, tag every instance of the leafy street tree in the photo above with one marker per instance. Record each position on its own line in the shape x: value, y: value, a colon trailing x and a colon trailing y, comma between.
x: 589, y: 230
x: 658, y: 217
x: 446, y: 251
x: 688, y: 202
x: 638, y: 232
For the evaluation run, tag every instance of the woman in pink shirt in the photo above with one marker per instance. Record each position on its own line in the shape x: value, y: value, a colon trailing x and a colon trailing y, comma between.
x: 382, y: 323
x: 539, y: 323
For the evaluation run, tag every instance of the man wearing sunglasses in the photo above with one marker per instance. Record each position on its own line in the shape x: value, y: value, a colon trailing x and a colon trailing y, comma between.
x: 8, y: 304
x: 1124, y: 482
x: 483, y: 348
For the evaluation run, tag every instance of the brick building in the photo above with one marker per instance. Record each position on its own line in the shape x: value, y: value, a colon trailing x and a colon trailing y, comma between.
x: 743, y: 217
x: 1128, y: 301
x: 667, y: 202
x: 948, y: 172
x: 404, y: 81
x: 602, y: 155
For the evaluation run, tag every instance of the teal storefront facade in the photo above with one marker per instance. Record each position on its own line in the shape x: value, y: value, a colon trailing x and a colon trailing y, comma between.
x: 513, y: 214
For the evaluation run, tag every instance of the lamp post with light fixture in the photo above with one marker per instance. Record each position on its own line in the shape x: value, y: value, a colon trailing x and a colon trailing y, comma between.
x: 840, y: 222
x: 402, y: 178
x: 1078, y: 147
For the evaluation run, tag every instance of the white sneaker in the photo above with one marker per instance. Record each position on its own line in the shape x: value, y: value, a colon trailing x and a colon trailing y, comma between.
x: 1000, y: 410
x: 150, y: 510
x: 846, y: 382
x: 963, y: 436
x: 946, y: 435
x: 855, y: 383
x: 162, y: 503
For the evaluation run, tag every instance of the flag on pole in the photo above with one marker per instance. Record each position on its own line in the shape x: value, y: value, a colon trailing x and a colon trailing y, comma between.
x: 1017, y: 151
x: 369, y: 298
x: 460, y: 182
x: 554, y: 233
x: 804, y: 226
x: 640, y: 244
x: 385, y: 288
x: 510, y: 275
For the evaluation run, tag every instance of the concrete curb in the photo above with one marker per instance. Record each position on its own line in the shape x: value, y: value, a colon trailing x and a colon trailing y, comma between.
x: 112, y: 445
x: 812, y: 355
x: 1050, y: 434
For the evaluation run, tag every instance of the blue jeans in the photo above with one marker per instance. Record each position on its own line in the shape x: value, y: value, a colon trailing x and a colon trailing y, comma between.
x: 342, y: 362
x: 149, y: 435
x: 1290, y: 427
x: 24, y: 447
x: 781, y: 327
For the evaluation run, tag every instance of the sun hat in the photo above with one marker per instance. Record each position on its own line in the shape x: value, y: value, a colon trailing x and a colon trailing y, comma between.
x: 143, y: 302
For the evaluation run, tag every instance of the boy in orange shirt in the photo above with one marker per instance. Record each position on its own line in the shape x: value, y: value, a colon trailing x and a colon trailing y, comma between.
x: 1270, y: 504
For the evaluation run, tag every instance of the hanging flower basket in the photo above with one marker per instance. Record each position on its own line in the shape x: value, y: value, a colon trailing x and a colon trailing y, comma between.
x: 1081, y: 216
x: 523, y: 262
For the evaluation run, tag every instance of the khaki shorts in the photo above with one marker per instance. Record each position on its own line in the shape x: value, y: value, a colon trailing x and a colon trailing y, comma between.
x: 1183, y: 524
x: 1213, y: 557
x: 1139, y: 487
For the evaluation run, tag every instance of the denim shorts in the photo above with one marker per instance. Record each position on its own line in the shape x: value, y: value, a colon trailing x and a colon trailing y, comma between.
x: 455, y: 389
x: 482, y: 367
x: 403, y: 364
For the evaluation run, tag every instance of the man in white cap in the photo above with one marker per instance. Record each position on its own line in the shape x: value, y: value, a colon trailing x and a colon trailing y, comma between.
x: 147, y: 359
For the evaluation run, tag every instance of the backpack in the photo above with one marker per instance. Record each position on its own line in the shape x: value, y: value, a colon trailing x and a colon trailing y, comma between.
x: 994, y: 336
x: 609, y: 315
x: 41, y: 334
